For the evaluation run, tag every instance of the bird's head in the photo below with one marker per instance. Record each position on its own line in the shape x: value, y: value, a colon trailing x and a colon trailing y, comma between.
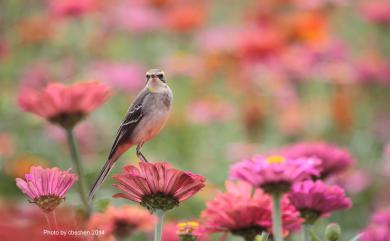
x: 155, y: 80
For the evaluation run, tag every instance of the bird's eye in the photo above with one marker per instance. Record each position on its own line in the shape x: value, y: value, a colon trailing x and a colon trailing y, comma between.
x: 160, y: 76
x: 148, y: 76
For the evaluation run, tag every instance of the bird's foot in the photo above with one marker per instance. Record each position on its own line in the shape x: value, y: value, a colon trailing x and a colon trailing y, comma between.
x: 142, y: 157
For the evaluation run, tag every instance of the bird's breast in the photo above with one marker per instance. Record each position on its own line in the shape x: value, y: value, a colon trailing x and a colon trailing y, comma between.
x: 156, y: 115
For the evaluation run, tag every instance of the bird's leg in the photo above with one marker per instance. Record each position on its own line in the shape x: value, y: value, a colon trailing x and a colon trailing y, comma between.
x: 139, y: 153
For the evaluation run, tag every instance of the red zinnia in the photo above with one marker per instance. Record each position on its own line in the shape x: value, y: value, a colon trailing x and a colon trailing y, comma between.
x: 157, y: 186
x: 64, y: 105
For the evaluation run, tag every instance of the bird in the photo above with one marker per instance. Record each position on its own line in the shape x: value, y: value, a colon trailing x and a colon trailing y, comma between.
x: 144, y: 119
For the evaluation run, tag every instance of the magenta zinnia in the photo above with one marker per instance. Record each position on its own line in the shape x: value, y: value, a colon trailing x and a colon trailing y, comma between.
x: 64, y: 105
x: 157, y: 186
x: 315, y: 199
x: 275, y: 174
x: 334, y: 159
x: 46, y: 187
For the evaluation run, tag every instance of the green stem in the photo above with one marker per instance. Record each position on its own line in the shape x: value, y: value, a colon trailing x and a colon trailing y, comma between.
x: 306, y: 232
x: 277, y: 218
x: 159, y: 225
x: 79, y: 169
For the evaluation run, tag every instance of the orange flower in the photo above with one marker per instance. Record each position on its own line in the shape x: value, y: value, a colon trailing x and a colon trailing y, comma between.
x: 35, y: 29
x: 310, y: 27
x: 186, y: 18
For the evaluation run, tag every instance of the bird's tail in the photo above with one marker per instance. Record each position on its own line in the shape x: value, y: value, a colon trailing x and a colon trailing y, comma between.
x: 102, y: 176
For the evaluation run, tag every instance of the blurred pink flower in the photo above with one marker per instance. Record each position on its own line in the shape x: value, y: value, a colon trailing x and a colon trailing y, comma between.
x: 244, y: 213
x: 121, y: 76
x: 320, y: 4
x: 157, y: 181
x: 315, y: 199
x: 64, y: 105
x: 137, y: 18
x: 209, y: 111
x: 353, y: 181
x: 169, y: 232
x: 373, y: 69
x: 121, y: 222
x: 376, y: 11
x: 275, y: 174
x: 7, y: 145
x: 71, y: 8
x: 259, y: 43
x: 222, y: 39
x: 46, y: 187
x: 25, y: 222
x: 334, y: 159
x: 379, y: 227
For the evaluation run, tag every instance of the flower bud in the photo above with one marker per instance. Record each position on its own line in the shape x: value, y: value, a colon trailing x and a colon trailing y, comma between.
x: 332, y: 232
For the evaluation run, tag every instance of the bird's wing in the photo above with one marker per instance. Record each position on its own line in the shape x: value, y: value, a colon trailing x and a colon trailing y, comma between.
x: 132, y: 118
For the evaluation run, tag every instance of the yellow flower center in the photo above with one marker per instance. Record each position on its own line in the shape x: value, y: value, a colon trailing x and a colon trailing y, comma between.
x: 275, y: 160
x: 187, y: 228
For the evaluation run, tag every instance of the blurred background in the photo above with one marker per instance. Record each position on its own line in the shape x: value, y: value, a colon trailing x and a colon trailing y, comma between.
x: 248, y: 77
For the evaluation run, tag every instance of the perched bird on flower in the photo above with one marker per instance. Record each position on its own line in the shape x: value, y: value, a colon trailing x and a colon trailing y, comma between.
x: 315, y: 199
x: 145, y: 118
x: 121, y: 222
x: 46, y: 187
x: 157, y: 186
x: 64, y: 105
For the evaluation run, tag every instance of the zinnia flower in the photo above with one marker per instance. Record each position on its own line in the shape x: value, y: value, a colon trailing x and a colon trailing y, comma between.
x: 379, y: 227
x: 46, y: 187
x: 188, y: 231
x: 71, y: 8
x: 122, y: 221
x: 315, y: 199
x: 64, y: 105
x: 242, y: 213
x: 376, y: 11
x: 333, y: 158
x: 275, y: 174
x: 157, y: 186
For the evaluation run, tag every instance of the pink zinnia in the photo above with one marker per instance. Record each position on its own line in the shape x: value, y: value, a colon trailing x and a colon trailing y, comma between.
x: 71, y: 8
x: 315, y: 199
x: 244, y: 213
x: 121, y: 221
x: 64, y: 105
x: 334, y: 159
x: 379, y: 227
x: 157, y: 186
x: 46, y: 187
x: 377, y: 11
x: 275, y: 174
